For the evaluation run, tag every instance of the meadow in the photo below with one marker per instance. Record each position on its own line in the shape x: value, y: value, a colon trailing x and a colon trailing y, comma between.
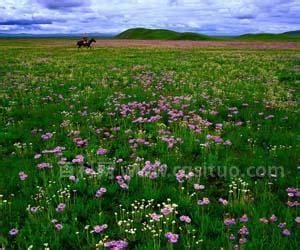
x: 149, y: 147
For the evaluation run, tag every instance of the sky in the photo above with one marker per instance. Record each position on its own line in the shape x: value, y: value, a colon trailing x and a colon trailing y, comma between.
x: 212, y: 17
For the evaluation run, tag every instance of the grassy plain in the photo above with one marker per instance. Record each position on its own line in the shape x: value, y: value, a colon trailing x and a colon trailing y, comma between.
x: 188, y: 125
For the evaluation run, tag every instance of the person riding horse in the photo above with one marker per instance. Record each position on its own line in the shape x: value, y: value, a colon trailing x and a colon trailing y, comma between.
x: 85, y: 42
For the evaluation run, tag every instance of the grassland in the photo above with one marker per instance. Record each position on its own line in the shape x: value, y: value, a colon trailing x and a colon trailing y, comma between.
x: 153, y: 147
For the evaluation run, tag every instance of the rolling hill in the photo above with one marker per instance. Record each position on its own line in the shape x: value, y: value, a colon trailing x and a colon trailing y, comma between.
x: 287, y: 36
x: 160, y: 34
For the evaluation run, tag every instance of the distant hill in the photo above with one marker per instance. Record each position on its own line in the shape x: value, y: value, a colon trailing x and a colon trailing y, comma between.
x: 292, y: 33
x: 287, y: 36
x: 160, y: 34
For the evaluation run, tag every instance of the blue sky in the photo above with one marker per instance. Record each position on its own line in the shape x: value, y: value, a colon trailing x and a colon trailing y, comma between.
x: 218, y: 17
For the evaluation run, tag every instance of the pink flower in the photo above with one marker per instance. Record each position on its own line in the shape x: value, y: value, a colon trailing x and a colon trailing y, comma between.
x: 60, y: 207
x: 100, y: 192
x: 13, y: 232
x: 244, y: 218
x: 229, y: 222
x: 185, y: 218
x: 155, y: 217
x: 99, y: 228
x: 101, y: 151
x: 22, y: 176
x: 286, y: 232
x: 205, y: 201
x: 172, y: 238
x: 58, y: 226
x: 223, y: 201
x: 273, y: 218
x: 297, y: 220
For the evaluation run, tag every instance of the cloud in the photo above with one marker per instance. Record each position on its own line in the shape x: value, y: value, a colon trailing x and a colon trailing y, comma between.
x: 24, y: 22
x: 63, y: 4
x: 113, y: 16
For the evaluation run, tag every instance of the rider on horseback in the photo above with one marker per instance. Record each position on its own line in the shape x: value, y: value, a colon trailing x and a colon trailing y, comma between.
x: 85, y: 38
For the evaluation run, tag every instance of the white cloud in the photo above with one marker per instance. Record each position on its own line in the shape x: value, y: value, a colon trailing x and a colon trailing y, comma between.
x: 106, y: 16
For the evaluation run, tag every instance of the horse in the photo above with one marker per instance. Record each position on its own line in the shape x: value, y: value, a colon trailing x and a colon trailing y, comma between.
x: 85, y: 44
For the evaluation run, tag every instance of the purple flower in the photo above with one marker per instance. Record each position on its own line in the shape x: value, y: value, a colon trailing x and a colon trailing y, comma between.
x: 229, y: 222
x: 101, y: 151
x: 99, y: 228
x: 155, y: 216
x: 60, y: 207
x: 79, y: 159
x: 172, y: 238
x: 47, y: 136
x: 22, y: 176
x: 244, y: 231
x: 116, y: 244
x: 13, y: 232
x: 282, y: 225
x: 100, y: 192
x: 58, y: 226
x: 273, y: 218
x: 223, y: 201
x: 244, y: 218
x: 205, y: 201
x: 185, y: 218
x: 44, y: 165
x: 286, y: 232
x: 232, y: 237
x: 166, y: 211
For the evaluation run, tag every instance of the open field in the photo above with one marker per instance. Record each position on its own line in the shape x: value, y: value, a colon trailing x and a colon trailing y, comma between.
x: 146, y: 145
x: 34, y: 43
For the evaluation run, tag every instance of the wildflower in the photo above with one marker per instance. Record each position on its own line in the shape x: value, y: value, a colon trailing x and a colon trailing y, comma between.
x: 286, y: 232
x: 242, y: 240
x: 13, y: 232
x: 223, y: 201
x: 244, y: 218
x: 60, y: 207
x: 244, y: 231
x: 58, y: 226
x: 44, y: 165
x: 232, y: 237
x: 155, y: 217
x: 185, y: 218
x: 99, y: 228
x: 199, y: 187
x: 282, y: 225
x: 116, y: 244
x: 229, y: 221
x: 79, y: 159
x: 264, y: 220
x: 100, y: 192
x: 166, y: 210
x: 101, y: 151
x: 34, y: 209
x: 172, y: 238
x: 205, y: 201
x: 22, y: 176
x: 273, y: 218
x: 297, y: 220
x: 72, y: 178
x: 47, y: 136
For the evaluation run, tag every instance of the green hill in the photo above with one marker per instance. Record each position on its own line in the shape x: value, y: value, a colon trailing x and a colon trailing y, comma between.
x: 160, y: 34
x: 287, y: 36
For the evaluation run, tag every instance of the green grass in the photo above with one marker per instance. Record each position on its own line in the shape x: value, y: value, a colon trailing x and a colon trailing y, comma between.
x: 254, y: 94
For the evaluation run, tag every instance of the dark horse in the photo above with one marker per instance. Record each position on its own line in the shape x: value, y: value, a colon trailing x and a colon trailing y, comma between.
x: 87, y: 44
